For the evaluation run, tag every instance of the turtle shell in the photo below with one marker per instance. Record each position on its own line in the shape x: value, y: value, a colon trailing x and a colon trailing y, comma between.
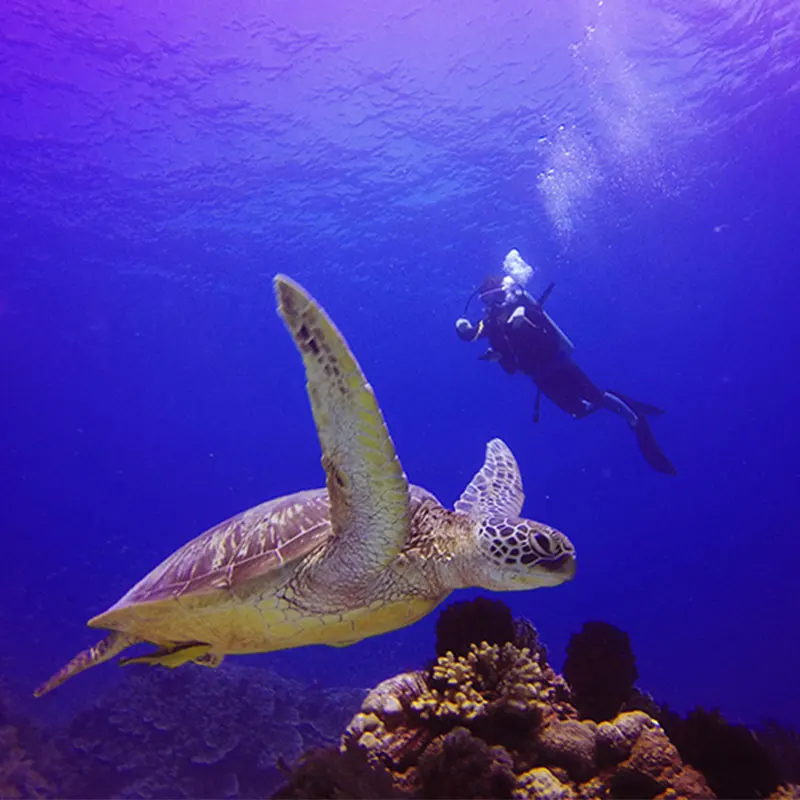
x: 248, y: 545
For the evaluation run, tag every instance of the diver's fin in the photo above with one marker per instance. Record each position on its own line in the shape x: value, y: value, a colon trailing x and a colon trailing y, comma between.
x: 170, y: 656
x: 640, y: 408
x: 648, y: 445
x: 496, y: 489
x: 107, y: 648
x: 545, y: 294
x: 489, y: 355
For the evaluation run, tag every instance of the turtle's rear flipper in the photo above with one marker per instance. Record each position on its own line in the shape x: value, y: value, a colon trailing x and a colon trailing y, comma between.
x: 170, y: 657
x: 107, y: 648
x: 209, y: 660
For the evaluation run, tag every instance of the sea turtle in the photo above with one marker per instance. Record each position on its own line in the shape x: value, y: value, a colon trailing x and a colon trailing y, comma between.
x: 367, y: 554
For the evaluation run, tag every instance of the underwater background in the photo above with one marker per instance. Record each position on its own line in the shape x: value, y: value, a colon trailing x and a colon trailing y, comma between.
x: 160, y: 163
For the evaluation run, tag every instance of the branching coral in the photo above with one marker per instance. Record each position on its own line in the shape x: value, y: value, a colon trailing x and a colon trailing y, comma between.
x: 488, y: 678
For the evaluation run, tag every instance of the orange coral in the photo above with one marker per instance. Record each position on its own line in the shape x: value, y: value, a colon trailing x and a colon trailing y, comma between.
x: 789, y: 791
x: 416, y: 724
x: 385, y: 726
x: 487, y: 678
x: 654, y: 763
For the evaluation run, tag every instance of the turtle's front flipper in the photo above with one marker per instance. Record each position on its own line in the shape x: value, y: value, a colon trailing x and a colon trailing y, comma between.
x: 113, y: 644
x: 367, y: 487
x: 496, y: 489
x: 170, y: 657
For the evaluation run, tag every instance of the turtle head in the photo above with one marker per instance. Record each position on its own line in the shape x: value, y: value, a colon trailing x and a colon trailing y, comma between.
x: 507, y: 552
x: 518, y: 554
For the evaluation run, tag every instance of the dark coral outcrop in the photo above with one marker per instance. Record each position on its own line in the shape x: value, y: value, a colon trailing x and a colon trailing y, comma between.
x: 734, y: 761
x: 472, y: 622
x: 783, y: 744
x: 459, y: 764
x: 601, y: 669
x: 332, y: 773
x: 483, y: 620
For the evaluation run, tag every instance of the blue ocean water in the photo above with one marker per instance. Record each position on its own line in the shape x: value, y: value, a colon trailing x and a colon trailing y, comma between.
x: 160, y: 164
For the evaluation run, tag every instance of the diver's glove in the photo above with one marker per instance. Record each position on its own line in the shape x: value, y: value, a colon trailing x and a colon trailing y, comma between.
x: 517, y: 317
x: 465, y: 329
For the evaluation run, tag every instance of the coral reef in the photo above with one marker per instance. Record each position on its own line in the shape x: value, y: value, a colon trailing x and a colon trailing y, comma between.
x: 28, y: 758
x: 497, y: 721
x: 493, y: 719
x: 601, y: 669
x: 195, y: 732
x: 497, y: 693
x: 19, y: 776
x: 483, y: 720
x: 331, y: 773
x: 509, y: 718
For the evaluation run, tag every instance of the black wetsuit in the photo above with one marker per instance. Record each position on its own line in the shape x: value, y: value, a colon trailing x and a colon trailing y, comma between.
x: 523, y: 338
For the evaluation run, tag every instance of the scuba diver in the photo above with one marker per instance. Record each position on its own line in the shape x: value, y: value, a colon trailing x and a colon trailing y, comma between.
x: 522, y: 337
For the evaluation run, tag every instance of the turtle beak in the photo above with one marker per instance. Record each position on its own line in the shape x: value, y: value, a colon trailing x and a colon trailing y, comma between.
x: 563, y: 566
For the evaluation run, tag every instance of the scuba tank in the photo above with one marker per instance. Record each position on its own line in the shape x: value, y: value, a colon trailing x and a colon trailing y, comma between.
x: 565, y: 345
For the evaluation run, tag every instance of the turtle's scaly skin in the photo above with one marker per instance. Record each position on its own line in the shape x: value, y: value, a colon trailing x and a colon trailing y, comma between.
x: 366, y: 555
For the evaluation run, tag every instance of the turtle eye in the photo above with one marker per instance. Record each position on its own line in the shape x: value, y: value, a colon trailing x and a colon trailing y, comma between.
x: 544, y: 542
